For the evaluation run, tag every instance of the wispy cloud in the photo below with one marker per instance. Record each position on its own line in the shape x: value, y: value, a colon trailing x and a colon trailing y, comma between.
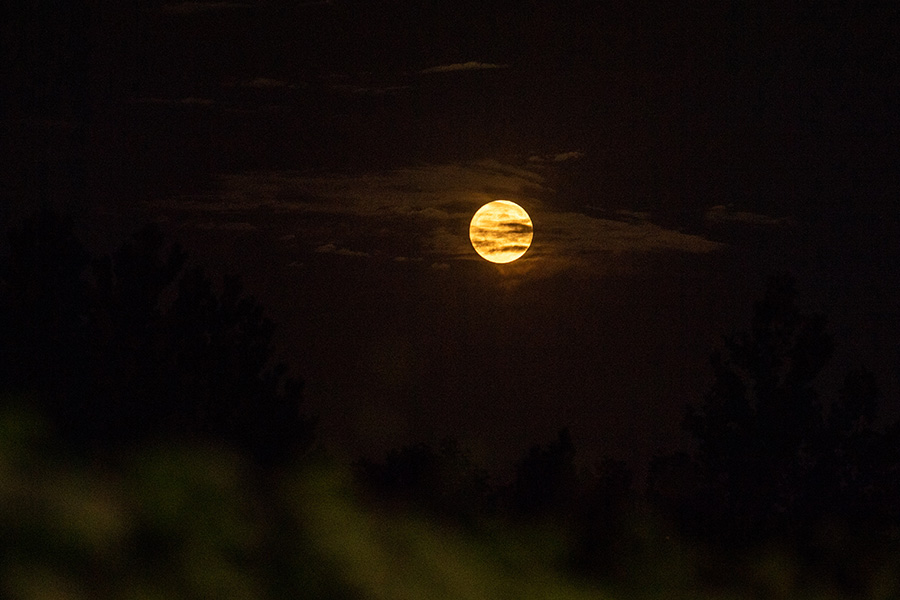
x: 466, y: 66
x: 571, y: 238
x: 727, y: 214
x: 186, y: 8
x: 188, y: 101
x: 435, y: 192
x: 362, y: 90
x: 407, y: 215
x: 555, y: 158
x: 576, y: 234
x: 265, y: 83
x: 227, y: 226
x: 331, y: 248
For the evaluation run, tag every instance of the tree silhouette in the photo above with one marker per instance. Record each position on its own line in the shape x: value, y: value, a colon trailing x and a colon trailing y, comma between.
x: 131, y: 347
x: 759, y: 423
x: 546, y: 482
x: 773, y: 459
x: 43, y: 305
x: 444, y: 482
x: 856, y: 477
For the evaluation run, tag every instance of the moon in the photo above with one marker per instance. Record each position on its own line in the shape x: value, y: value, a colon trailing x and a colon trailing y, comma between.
x: 501, y: 231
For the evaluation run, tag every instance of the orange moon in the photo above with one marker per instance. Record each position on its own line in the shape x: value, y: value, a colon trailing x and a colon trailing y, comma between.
x: 501, y: 231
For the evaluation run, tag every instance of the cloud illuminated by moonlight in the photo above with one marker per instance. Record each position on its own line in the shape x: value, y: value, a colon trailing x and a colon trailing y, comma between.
x: 423, y: 214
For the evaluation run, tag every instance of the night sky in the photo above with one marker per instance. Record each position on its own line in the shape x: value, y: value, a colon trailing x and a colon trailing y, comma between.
x: 333, y: 153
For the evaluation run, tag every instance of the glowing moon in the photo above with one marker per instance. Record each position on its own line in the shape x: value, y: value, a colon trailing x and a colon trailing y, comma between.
x: 501, y: 231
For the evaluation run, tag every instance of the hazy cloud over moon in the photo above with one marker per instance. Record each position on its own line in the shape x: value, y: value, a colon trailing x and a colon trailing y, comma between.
x: 425, y: 211
x: 501, y: 231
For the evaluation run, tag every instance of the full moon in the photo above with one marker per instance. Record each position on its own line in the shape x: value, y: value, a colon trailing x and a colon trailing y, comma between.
x: 501, y: 231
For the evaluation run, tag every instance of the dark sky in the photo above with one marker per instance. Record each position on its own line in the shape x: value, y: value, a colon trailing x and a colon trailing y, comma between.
x: 332, y: 154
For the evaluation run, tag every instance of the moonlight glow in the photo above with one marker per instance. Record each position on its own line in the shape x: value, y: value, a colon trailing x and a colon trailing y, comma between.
x: 501, y: 231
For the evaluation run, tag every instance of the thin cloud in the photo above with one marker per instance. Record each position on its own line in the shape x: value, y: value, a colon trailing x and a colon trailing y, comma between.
x: 188, y: 101
x: 564, y: 156
x: 188, y: 8
x: 348, y: 252
x: 577, y: 239
x: 265, y: 83
x: 466, y: 66
x: 450, y: 243
x: 426, y: 211
x: 227, y: 226
x: 726, y: 214
x: 430, y: 213
x: 520, y: 228
x: 576, y: 234
x: 556, y: 158
x: 333, y: 249
x: 435, y: 192
x: 360, y: 90
x: 634, y: 214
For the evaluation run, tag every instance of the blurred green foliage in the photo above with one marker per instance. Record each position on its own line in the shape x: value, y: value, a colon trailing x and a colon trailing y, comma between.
x: 204, y: 522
